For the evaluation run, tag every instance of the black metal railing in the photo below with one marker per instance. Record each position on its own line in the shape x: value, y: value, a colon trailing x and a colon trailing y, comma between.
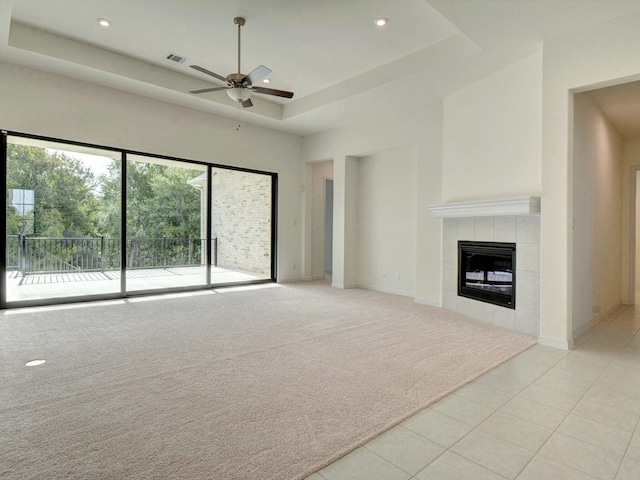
x: 31, y: 255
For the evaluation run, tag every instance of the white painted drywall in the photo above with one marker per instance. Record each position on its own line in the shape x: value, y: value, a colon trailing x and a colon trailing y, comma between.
x: 345, y: 222
x: 630, y: 164
x: 417, y: 132
x: 387, y: 221
x: 631, y: 298
x: 429, y: 229
x: 45, y: 104
x: 586, y: 59
x: 597, y: 214
x: 492, y: 134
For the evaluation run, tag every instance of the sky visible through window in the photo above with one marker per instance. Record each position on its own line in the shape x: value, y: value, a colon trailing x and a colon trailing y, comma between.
x: 98, y: 164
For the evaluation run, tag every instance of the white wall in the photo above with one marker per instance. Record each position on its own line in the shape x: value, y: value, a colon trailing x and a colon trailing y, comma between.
x: 584, y: 60
x: 597, y: 214
x: 636, y: 267
x: 387, y: 221
x: 418, y: 134
x: 631, y: 298
x: 492, y: 134
x: 630, y: 164
x: 491, y: 149
x: 45, y: 104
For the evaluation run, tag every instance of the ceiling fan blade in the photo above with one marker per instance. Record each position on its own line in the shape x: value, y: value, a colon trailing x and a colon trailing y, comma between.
x: 208, y: 72
x: 258, y: 74
x: 272, y: 91
x: 207, y: 90
x: 247, y: 103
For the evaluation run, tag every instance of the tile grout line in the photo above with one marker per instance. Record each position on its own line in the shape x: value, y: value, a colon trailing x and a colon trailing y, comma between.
x: 495, y: 411
x: 581, y: 398
x: 627, y: 449
x: 545, y: 442
x: 637, y: 421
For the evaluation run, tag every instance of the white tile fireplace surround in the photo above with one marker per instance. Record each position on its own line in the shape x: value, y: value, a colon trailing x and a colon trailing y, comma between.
x: 515, y: 220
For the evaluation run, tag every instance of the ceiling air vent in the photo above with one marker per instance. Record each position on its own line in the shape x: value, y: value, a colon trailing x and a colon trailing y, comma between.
x: 176, y: 58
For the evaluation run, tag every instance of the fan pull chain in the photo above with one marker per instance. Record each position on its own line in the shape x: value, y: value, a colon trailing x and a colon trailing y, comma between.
x: 239, y: 21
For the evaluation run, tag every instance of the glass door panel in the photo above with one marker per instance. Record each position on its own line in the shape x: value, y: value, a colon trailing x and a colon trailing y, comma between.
x: 166, y: 224
x: 241, y: 226
x: 62, y: 220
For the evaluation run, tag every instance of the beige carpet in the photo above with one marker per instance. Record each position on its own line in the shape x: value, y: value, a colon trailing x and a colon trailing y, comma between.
x: 269, y: 383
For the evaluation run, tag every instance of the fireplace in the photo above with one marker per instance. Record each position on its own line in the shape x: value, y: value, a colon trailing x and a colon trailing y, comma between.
x: 487, y: 272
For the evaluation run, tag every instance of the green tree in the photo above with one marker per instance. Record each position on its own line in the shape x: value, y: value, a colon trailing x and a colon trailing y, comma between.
x: 71, y: 202
x: 65, y: 201
x: 160, y: 202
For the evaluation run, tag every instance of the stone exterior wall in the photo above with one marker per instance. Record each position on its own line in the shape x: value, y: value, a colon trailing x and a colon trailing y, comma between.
x: 241, y: 221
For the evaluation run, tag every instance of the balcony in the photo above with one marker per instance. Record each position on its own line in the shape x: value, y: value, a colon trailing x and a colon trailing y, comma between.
x: 45, y: 267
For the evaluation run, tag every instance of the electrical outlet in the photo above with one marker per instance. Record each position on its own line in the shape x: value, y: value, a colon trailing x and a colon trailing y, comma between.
x: 397, y: 275
x: 293, y: 266
x: 384, y: 274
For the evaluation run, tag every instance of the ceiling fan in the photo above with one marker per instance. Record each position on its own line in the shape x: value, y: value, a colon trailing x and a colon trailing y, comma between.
x: 240, y: 87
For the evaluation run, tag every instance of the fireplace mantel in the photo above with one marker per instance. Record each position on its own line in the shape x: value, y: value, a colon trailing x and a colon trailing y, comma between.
x: 525, y: 205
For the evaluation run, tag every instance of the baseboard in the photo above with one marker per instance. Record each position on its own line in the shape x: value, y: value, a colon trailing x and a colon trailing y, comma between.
x: 295, y: 280
x: 386, y: 290
x: 595, y: 320
x: 429, y: 303
x: 343, y: 286
x: 552, y: 342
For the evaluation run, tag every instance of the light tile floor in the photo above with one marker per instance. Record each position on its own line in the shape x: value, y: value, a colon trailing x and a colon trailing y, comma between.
x: 545, y: 414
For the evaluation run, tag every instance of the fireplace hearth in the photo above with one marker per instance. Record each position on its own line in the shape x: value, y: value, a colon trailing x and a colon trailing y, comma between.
x: 487, y: 272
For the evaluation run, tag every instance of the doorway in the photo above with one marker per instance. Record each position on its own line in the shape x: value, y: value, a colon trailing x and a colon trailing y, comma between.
x: 322, y: 220
x: 328, y: 229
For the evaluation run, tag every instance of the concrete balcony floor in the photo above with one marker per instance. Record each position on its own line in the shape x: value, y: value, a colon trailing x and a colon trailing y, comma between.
x: 43, y: 286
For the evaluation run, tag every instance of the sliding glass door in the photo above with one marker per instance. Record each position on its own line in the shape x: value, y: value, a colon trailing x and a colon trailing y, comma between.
x: 88, y: 222
x: 62, y: 220
x: 166, y: 224
x: 242, y: 228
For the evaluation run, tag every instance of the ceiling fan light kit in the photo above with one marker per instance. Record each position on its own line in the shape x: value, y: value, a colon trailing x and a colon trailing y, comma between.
x: 238, y: 94
x: 239, y: 86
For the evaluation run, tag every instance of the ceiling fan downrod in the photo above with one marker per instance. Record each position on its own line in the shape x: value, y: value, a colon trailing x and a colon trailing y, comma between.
x: 239, y: 21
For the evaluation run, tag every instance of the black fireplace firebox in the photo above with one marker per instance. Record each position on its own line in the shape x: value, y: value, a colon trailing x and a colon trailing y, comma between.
x: 487, y: 272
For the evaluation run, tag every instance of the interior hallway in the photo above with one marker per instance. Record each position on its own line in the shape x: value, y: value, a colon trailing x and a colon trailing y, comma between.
x: 546, y: 413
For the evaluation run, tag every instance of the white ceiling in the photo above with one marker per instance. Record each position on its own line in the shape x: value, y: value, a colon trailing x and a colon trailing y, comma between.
x: 341, y: 67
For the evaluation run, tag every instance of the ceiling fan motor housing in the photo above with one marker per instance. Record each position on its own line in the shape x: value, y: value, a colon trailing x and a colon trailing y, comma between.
x: 237, y: 79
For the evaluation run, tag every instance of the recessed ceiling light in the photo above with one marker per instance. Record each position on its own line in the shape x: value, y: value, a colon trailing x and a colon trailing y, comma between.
x: 35, y: 363
x: 381, y: 21
x: 266, y: 80
x: 104, y: 22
